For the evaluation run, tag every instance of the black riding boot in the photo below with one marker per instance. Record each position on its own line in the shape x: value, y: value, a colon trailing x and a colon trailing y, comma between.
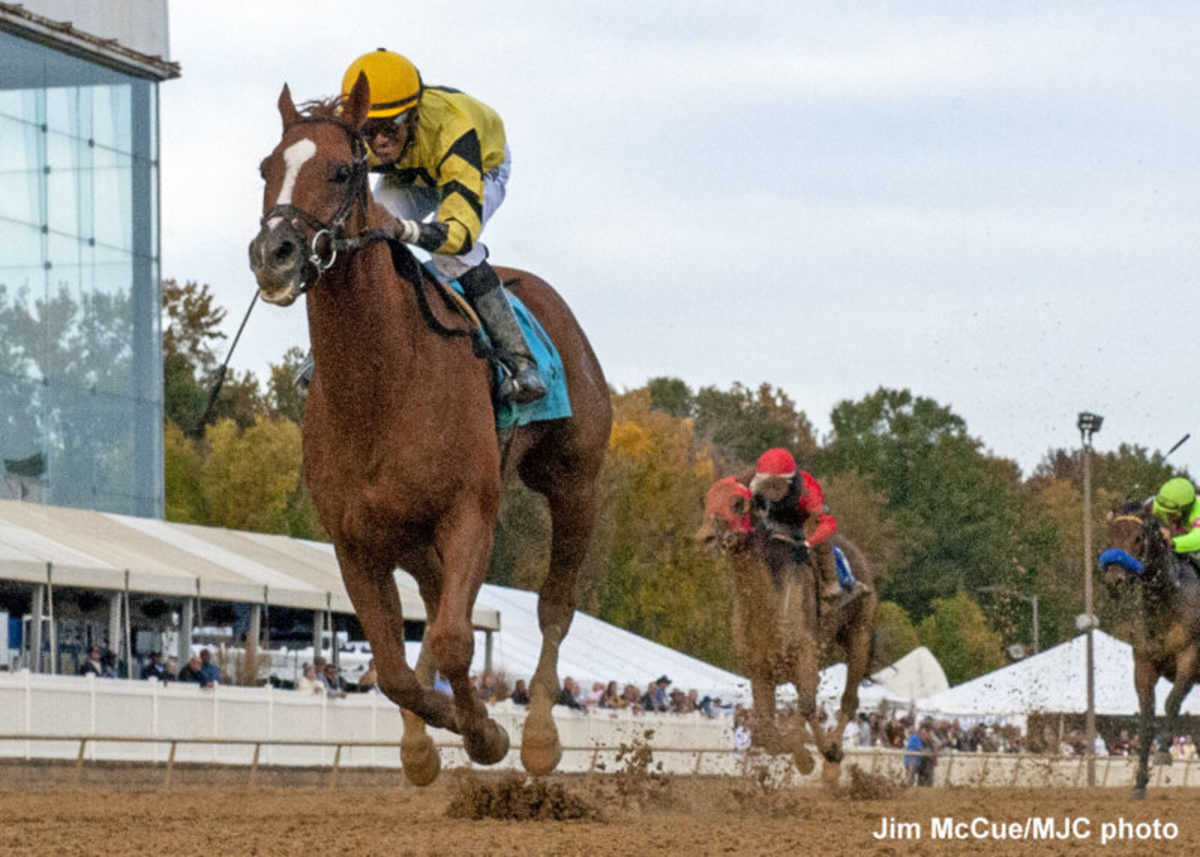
x: 522, y: 383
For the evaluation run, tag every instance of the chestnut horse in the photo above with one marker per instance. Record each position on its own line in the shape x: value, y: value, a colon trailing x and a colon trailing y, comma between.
x: 400, y: 445
x: 1140, y: 560
x: 777, y: 628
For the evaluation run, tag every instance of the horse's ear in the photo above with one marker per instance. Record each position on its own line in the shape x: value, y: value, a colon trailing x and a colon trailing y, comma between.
x: 1108, y: 518
x: 357, y: 103
x: 287, y: 107
x: 740, y: 505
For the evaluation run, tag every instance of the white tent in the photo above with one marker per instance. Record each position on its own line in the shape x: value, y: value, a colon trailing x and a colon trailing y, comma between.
x: 916, y: 675
x: 594, y: 651
x: 1053, y: 681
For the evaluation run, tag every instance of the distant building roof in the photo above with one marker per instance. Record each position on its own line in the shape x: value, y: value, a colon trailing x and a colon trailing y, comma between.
x: 83, y: 548
x: 66, y: 36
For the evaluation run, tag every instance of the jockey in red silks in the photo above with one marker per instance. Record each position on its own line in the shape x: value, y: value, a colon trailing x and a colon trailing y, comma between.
x: 791, y: 506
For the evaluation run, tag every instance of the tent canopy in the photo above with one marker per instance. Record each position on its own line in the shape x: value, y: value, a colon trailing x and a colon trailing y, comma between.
x: 594, y: 651
x: 1054, y: 682
x: 916, y: 675
x: 98, y: 550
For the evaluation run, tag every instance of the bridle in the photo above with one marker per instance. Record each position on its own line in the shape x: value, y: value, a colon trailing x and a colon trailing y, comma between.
x: 1150, y: 538
x: 326, y: 240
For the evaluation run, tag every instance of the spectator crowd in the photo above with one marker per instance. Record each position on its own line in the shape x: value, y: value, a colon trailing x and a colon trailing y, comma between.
x: 923, y: 741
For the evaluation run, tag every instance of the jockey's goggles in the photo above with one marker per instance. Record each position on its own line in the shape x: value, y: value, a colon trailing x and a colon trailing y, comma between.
x: 388, y: 127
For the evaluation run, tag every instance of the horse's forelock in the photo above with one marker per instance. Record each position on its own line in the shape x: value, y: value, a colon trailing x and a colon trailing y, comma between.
x: 323, y: 108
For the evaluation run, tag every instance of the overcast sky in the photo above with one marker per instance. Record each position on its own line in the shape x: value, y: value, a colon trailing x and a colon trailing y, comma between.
x: 992, y: 204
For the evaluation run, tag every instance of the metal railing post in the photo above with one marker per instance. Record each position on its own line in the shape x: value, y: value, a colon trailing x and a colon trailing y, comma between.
x: 337, y: 758
x: 254, y: 764
x: 79, y: 761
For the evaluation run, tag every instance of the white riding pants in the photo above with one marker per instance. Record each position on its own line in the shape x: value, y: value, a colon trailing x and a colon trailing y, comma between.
x: 408, y: 202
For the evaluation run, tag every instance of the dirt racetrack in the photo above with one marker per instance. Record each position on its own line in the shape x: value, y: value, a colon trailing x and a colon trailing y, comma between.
x: 686, y: 817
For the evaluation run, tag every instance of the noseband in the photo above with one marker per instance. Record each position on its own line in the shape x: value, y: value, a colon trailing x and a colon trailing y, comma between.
x: 324, y: 240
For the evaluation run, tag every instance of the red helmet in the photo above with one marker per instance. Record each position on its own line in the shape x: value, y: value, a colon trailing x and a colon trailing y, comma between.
x: 776, y: 462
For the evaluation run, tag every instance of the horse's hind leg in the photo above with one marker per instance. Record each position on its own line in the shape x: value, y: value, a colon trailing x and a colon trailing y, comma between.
x: 572, y: 513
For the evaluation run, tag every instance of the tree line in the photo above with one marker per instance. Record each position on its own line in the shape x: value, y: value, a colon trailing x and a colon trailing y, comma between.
x: 961, y: 537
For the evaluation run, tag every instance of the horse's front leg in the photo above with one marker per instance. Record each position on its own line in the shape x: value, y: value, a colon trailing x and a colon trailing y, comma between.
x: 805, y: 656
x: 418, y: 753
x: 372, y: 589
x: 1144, y: 679
x: 464, y: 542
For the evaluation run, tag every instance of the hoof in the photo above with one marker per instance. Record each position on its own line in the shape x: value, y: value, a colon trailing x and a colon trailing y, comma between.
x: 487, y: 746
x: 831, y: 773
x: 803, y: 760
x: 833, y: 753
x: 540, y: 748
x: 420, y: 759
x: 540, y: 761
x: 1137, y: 794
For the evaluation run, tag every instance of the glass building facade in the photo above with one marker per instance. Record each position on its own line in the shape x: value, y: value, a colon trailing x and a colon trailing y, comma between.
x: 80, y: 321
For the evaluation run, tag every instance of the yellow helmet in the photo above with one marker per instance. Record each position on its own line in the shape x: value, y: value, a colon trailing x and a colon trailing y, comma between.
x: 395, y: 82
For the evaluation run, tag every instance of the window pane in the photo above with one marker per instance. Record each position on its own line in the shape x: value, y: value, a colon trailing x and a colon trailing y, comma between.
x: 20, y: 247
x: 71, y: 194
x: 111, y: 192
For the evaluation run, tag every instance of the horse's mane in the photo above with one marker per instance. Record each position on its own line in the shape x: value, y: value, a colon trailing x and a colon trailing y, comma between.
x: 1132, y: 507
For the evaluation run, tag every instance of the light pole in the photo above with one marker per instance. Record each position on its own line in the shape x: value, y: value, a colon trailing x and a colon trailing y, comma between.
x: 1088, y: 425
x: 1031, y: 600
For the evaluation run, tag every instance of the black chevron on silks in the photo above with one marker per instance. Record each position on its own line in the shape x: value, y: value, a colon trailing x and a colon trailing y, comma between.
x: 451, y: 188
x: 467, y: 148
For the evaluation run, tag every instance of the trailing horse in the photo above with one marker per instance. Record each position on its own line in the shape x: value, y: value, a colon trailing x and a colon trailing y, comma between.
x: 400, y: 444
x: 777, y: 627
x: 1143, y: 572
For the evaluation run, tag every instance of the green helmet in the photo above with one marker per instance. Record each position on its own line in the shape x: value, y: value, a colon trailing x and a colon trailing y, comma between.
x: 1175, y: 497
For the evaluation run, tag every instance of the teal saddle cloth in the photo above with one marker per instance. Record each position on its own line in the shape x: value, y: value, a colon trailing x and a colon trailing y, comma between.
x: 556, y: 404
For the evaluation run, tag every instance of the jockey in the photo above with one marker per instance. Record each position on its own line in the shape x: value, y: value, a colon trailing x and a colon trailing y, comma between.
x: 1176, y: 505
x: 792, y: 507
x: 440, y: 152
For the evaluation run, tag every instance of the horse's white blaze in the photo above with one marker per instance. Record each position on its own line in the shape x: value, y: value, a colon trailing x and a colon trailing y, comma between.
x: 295, y: 156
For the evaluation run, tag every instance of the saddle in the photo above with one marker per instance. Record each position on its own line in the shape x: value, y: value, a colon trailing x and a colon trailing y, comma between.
x: 556, y: 404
